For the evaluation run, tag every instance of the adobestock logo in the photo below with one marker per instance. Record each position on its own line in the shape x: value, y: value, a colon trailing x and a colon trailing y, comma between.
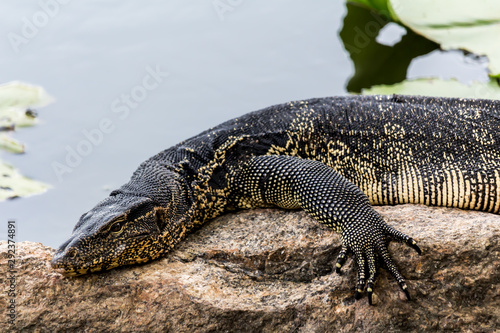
x: 225, y: 6
x: 31, y: 26
x: 120, y: 106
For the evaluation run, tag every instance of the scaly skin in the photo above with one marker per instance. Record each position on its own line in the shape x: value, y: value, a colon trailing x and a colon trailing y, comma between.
x: 332, y: 157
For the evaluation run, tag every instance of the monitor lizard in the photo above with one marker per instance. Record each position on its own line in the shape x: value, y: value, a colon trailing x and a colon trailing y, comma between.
x: 333, y: 157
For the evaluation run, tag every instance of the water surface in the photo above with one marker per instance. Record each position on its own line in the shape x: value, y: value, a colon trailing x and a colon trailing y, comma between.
x: 134, y: 78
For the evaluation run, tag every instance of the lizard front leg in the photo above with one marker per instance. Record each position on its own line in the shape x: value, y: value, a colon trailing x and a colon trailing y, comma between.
x: 292, y: 182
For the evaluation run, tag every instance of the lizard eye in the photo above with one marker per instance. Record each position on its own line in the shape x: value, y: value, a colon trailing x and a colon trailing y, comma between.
x: 116, y: 227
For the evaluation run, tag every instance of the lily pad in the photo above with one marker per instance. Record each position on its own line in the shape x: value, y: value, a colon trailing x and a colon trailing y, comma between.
x: 381, y: 6
x: 15, y: 99
x: 13, y: 184
x: 375, y: 63
x: 11, y: 144
x: 23, y: 95
x: 456, y: 24
x: 473, y: 26
x: 439, y: 87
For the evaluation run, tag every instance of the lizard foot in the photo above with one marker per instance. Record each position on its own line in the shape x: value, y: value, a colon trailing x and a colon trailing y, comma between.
x: 369, y: 248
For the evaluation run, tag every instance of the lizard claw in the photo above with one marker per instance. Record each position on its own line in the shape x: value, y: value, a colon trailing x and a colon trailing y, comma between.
x: 369, y: 289
x: 413, y: 245
x: 369, y: 249
x: 400, y: 237
x: 404, y: 288
x: 344, y: 252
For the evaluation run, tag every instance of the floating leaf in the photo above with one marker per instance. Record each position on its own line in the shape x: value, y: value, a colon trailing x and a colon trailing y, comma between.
x: 15, y: 98
x: 10, y: 144
x: 375, y: 63
x: 439, y: 87
x: 15, y: 117
x: 473, y: 26
x: 381, y: 6
x: 456, y: 24
x: 23, y: 95
x: 13, y: 184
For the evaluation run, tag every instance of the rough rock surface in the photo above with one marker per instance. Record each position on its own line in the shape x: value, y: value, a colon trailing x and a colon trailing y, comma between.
x: 272, y: 271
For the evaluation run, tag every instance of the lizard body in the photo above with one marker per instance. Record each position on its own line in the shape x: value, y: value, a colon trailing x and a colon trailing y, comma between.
x: 333, y: 157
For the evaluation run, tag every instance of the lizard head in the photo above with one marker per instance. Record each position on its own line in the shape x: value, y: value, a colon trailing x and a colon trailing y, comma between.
x: 123, y: 229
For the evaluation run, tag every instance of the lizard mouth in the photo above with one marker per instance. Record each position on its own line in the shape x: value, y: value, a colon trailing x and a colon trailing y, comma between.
x: 66, y: 270
x: 71, y: 272
x: 69, y: 263
x: 87, y: 268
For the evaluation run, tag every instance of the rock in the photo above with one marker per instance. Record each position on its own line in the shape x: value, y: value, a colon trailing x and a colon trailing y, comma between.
x: 272, y: 271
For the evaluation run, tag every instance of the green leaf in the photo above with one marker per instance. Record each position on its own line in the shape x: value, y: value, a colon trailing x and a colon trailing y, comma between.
x: 13, y: 184
x: 439, y: 87
x: 381, y: 6
x: 23, y: 95
x: 15, y: 98
x: 10, y: 144
x: 15, y: 117
x: 473, y: 26
x: 375, y: 63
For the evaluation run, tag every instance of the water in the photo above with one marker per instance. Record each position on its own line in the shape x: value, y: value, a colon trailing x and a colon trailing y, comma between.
x: 91, y: 55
